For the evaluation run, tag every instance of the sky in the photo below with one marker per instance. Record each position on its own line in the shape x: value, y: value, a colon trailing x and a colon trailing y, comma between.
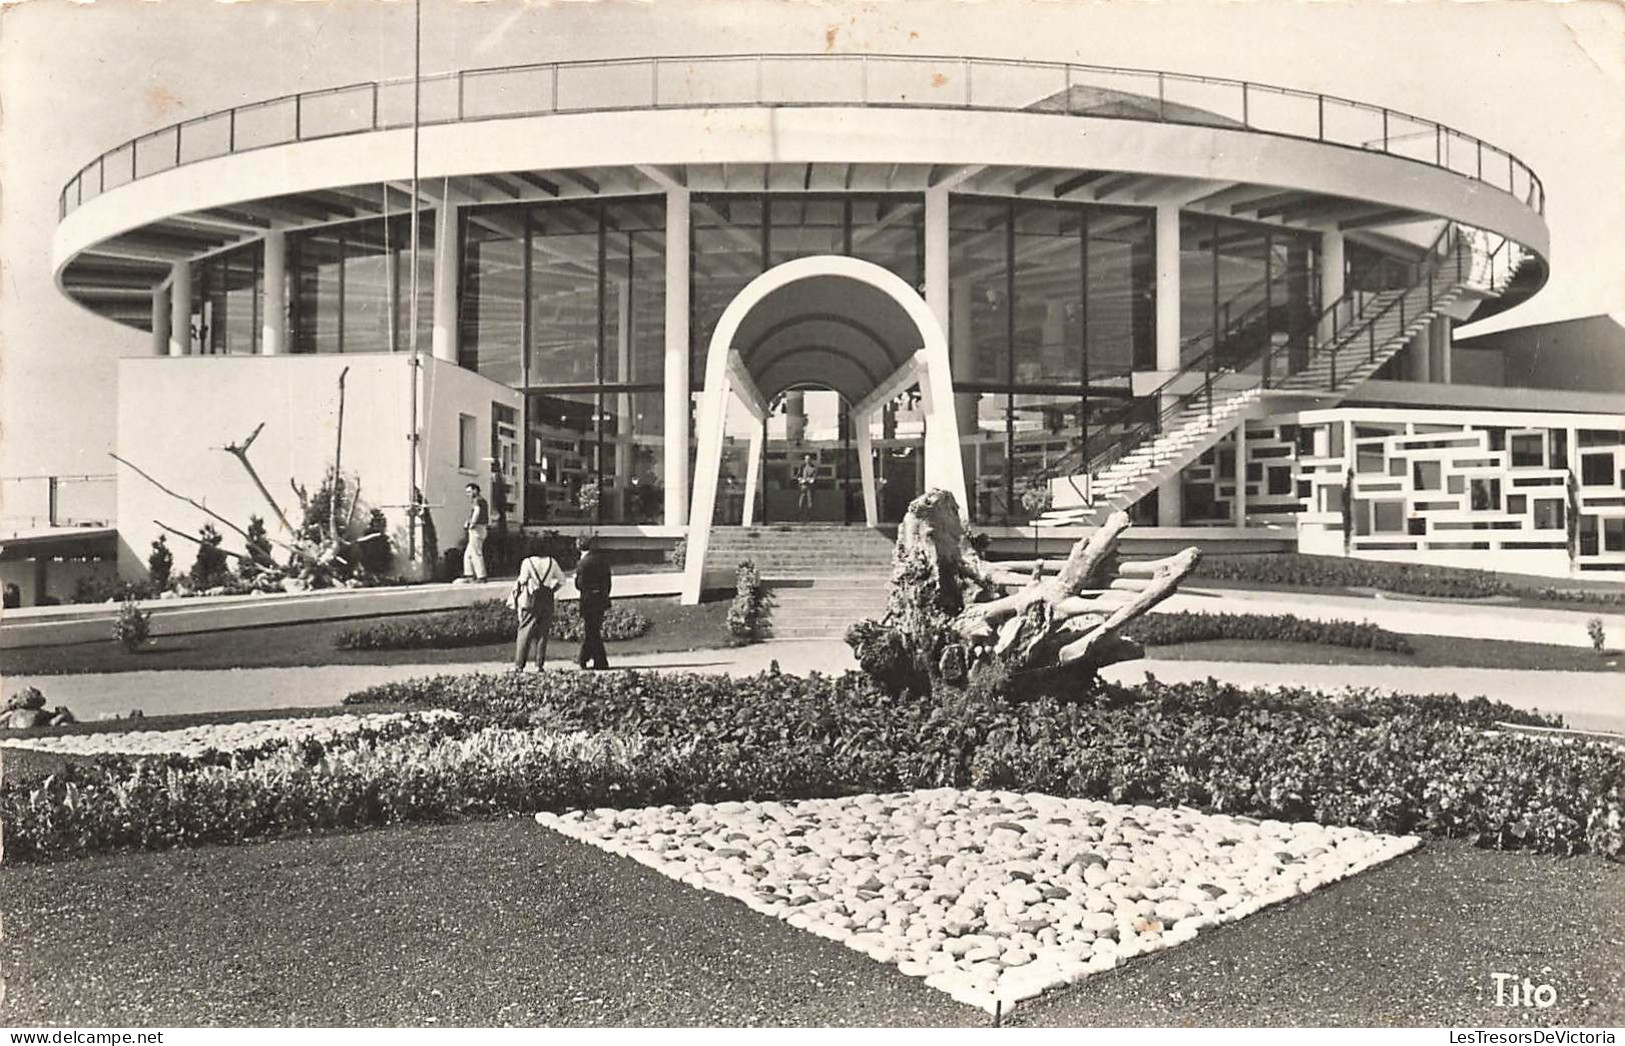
x: 1544, y: 80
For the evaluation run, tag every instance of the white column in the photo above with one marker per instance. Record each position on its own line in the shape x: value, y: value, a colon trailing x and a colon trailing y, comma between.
x: 625, y: 423
x: 160, y: 321
x: 708, y: 464
x: 677, y: 355
x: 1331, y: 266
x: 180, y: 309
x: 274, y: 323
x: 1170, y: 511
x: 1238, y: 504
x: 753, y: 473
x: 866, y: 468
x: 956, y: 360
x: 447, y: 254
x: 1418, y: 355
x: 1439, y: 349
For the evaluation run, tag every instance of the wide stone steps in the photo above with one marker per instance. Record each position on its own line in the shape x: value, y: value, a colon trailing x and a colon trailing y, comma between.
x: 824, y: 607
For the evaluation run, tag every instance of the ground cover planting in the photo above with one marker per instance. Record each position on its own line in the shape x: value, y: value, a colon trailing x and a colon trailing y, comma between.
x: 1189, y: 627
x: 1295, y: 570
x: 482, y: 623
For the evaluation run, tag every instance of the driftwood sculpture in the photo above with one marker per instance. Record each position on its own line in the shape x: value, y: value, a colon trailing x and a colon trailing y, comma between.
x: 954, y: 619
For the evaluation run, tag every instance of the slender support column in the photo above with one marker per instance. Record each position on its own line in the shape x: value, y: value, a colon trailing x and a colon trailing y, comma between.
x: 753, y: 473
x: 866, y: 468
x: 1238, y: 504
x: 625, y: 424
x: 956, y: 330
x: 677, y: 356
x: 160, y: 321
x: 712, y: 418
x: 1170, y: 508
x: 274, y: 324
x: 1331, y: 266
x: 1418, y: 356
x: 1439, y: 350
x: 180, y: 309
x: 447, y: 252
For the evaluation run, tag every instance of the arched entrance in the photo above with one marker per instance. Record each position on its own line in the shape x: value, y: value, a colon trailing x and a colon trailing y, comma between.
x: 830, y: 322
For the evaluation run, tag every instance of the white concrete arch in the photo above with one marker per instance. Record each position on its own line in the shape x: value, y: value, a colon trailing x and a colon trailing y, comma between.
x: 727, y: 375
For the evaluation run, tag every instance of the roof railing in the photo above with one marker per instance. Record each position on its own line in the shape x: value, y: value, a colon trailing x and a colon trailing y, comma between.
x: 787, y: 80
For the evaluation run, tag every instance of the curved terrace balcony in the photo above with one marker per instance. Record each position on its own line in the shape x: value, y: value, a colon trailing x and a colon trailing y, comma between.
x: 794, y: 123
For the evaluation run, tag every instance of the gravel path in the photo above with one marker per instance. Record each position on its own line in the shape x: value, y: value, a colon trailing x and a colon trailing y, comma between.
x: 218, y: 737
x: 992, y: 897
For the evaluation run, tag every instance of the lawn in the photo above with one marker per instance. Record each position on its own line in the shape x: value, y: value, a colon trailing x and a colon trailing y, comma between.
x: 502, y: 922
x: 674, y: 627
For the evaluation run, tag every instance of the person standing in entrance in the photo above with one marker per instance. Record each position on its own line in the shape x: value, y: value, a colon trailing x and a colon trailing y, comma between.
x: 593, y: 581
x: 806, y: 478
x: 479, y: 522
x: 532, y: 600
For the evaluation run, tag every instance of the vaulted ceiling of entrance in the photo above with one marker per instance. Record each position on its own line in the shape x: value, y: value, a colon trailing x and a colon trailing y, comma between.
x: 826, y: 330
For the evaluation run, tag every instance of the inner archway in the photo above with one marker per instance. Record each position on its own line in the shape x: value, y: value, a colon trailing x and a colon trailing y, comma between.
x: 830, y: 323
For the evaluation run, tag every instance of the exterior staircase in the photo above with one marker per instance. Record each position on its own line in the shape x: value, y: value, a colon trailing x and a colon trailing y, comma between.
x: 1152, y: 439
x: 822, y: 578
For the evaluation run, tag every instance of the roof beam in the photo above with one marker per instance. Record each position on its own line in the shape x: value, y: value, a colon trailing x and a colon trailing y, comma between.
x: 536, y: 181
x: 1078, y: 181
x: 1256, y: 202
x: 1116, y: 183
x: 668, y: 178
x: 1038, y: 177
x: 1389, y: 217
x: 953, y: 177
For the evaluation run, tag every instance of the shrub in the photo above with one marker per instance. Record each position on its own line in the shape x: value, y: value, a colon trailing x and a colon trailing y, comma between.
x: 209, y: 569
x: 488, y: 621
x: 133, y: 626
x: 1188, y: 627
x: 748, y: 616
x: 1294, y: 570
x: 257, y: 549
x: 160, y: 564
x: 105, y: 589
x: 1599, y: 638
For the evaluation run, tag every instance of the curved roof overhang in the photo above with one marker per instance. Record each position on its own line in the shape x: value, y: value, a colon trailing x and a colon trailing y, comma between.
x: 126, y: 238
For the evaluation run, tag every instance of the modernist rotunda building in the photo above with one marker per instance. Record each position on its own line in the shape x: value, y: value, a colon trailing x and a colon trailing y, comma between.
x: 1050, y: 289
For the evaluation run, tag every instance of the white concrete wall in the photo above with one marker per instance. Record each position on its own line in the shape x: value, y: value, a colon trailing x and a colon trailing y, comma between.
x: 175, y: 415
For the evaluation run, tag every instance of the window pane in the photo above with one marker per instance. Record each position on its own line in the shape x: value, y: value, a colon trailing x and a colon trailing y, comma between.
x: 980, y: 294
x: 1049, y: 295
x: 561, y: 455
x: 492, y: 310
x: 564, y: 294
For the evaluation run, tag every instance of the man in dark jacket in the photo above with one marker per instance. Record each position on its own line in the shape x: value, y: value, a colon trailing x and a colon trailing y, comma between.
x: 593, y: 580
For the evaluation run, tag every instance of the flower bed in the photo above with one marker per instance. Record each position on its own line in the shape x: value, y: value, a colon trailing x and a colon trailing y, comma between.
x: 1396, y: 765
x: 221, y: 737
x: 488, y: 621
x: 1191, y: 627
x: 1295, y: 570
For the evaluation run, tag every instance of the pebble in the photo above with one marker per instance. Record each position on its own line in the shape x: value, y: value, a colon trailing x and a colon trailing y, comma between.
x: 992, y: 897
x: 219, y: 737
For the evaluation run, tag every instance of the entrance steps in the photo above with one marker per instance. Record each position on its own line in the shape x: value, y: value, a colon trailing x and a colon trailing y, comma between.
x: 822, y: 577
x: 792, y: 553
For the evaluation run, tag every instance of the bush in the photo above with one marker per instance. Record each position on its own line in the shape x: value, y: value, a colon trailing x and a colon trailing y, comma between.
x: 133, y: 626
x: 209, y: 569
x: 488, y: 621
x: 257, y: 549
x: 160, y: 564
x: 1294, y: 570
x: 101, y: 589
x: 1188, y: 627
x: 1599, y: 638
x: 748, y: 616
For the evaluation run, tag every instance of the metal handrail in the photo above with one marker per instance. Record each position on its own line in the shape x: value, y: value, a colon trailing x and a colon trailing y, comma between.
x: 646, y: 85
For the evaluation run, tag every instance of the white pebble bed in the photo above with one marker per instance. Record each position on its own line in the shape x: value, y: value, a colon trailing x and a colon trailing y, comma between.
x: 220, y: 737
x: 992, y: 897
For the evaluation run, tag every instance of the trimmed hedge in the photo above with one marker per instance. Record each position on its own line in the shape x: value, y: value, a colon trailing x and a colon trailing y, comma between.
x: 1296, y: 570
x: 488, y: 621
x: 564, y: 740
x: 1192, y: 627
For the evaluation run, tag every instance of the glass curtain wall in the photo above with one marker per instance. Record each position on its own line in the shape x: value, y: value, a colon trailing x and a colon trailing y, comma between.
x: 350, y: 286
x: 1246, y: 289
x: 1052, y: 306
x: 738, y: 236
x: 228, y: 296
x: 567, y: 301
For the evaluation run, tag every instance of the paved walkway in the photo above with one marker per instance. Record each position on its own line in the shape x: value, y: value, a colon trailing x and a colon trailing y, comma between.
x: 1587, y: 700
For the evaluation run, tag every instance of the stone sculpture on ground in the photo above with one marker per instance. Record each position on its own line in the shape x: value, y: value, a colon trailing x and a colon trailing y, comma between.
x: 955, y: 620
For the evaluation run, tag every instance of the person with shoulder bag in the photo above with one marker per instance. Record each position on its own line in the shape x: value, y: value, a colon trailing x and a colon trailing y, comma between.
x: 532, y: 601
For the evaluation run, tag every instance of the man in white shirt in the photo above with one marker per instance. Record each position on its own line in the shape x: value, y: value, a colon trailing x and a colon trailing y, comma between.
x: 532, y: 600
x: 479, y: 522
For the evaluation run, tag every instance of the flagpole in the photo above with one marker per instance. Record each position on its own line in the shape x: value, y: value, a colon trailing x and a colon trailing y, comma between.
x: 412, y: 499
